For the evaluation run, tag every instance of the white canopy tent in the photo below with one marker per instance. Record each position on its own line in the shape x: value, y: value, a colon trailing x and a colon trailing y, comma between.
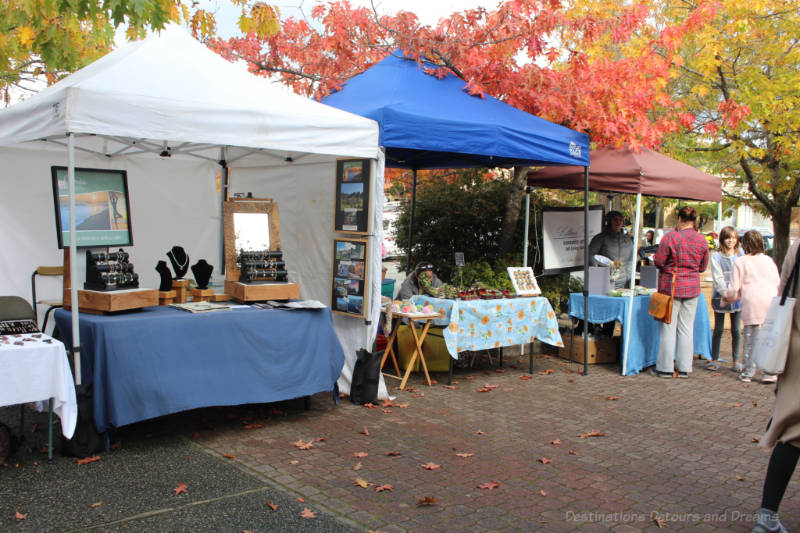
x: 181, y: 120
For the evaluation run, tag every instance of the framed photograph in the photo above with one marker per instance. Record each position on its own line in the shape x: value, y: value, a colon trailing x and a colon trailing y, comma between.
x: 524, y: 281
x: 102, y: 207
x: 352, y: 196
x: 349, y: 281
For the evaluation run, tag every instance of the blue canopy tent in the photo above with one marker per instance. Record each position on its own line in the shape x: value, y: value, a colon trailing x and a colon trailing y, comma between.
x: 427, y: 122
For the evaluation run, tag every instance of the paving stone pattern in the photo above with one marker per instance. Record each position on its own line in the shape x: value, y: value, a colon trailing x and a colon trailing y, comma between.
x: 670, y: 454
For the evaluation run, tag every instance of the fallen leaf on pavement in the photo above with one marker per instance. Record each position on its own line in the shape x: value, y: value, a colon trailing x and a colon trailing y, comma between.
x: 555, y: 442
x: 592, y: 433
x: 387, y: 403
x: 487, y: 386
x: 369, y: 405
x: 319, y: 439
x: 756, y: 439
x: 736, y: 404
x: 301, y: 500
x: 381, y: 488
x: 357, y: 467
x: 295, y: 462
x: 660, y: 523
x: 365, y: 431
x: 739, y: 478
x: 525, y: 377
x: 393, y: 454
x: 272, y: 506
x: 254, y: 425
x: 401, y: 405
x: 228, y: 456
x: 430, y: 466
x: 479, y: 432
x: 302, y: 445
x: 612, y: 398
x: 573, y: 452
x: 87, y: 460
x: 490, y: 485
x: 499, y: 370
x: 426, y: 501
x: 546, y: 372
x: 545, y: 460
x: 181, y: 488
x: 484, y: 389
x: 363, y: 483
x: 449, y: 387
x: 20, y: 516
x: 543, y: 493
x: 360, y: 455
x: 98, y: 504
x: 308, y: 513
x: 465, y: 455
x: 386, y: 411
x: 571, y: 380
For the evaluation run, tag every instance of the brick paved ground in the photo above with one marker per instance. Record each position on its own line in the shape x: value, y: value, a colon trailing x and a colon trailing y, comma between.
x: 682, y: 451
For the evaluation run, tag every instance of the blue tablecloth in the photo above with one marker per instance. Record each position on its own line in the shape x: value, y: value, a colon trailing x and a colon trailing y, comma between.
x: 644, y: 336
x: 161, y: 360
x: 483, y: 324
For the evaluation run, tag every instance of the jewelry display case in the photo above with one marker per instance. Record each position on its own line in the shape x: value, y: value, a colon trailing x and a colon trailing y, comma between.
x: 255, y: 269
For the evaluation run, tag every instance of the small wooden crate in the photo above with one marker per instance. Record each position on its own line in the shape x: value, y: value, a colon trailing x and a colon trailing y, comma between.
x: 243, y: 292
x: 600, y: 351
x: 101, y: 302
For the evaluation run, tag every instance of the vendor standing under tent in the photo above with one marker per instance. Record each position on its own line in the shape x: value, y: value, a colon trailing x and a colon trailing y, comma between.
x: 615, y: 245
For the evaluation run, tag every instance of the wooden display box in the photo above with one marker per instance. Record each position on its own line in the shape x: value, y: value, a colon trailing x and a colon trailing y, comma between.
x: 600, y: 351
x: 100, y: 302
x: 243, y: 292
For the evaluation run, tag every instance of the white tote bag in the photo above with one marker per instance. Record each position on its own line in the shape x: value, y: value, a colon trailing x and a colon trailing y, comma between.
x: 772, y: 342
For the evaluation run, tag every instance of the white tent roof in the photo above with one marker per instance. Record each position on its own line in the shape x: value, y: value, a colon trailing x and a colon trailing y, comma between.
x: 169, y: 90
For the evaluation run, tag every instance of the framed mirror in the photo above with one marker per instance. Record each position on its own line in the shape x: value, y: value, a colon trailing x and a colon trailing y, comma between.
x: 250, y: 225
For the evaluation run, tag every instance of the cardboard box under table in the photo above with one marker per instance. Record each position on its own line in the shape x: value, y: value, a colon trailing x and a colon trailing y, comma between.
x: 600, y: 351
x: 436, y: 355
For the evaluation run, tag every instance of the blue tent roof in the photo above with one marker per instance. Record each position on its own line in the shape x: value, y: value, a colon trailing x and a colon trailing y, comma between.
x: 426, y: 122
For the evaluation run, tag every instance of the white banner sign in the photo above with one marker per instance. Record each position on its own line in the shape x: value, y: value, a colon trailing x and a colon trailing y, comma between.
x: 562, y: 236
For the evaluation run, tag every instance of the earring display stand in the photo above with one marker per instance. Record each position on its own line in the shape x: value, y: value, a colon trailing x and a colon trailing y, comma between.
x: 181, y: 288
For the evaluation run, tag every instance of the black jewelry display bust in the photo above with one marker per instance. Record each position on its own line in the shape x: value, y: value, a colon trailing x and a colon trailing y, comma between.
x: 202, y: 273
x: 166, y: 276
x: 180, y: 261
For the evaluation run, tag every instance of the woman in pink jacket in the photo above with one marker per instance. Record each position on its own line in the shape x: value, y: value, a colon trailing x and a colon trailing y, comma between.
x: 754, y: 281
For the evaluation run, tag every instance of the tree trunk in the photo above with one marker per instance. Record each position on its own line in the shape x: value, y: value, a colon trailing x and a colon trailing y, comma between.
x: 513, y: 208
x: 780, y: 225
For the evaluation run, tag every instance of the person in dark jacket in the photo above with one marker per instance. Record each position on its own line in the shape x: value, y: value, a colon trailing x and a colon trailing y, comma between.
x: 615, y: 245
x: 411, y: 286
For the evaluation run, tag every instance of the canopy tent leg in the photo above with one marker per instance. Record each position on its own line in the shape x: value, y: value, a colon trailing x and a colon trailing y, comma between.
x: 411, y: 220
x: 527, y: 218
x: 585, y: 270
x: 629, y: 318
x: 223, y: 188
x: 718, y: 225
x: 73, y: 259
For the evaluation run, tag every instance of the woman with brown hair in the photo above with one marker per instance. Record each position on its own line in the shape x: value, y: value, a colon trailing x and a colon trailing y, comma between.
x: 682, y: 252
x: 721, y: 271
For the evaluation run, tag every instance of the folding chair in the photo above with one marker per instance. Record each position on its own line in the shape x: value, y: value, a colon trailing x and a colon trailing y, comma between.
x: 51, y: 304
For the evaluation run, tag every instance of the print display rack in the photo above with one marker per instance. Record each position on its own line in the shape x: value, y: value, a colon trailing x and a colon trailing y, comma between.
x: 255, y: 269
x: 111, y: 284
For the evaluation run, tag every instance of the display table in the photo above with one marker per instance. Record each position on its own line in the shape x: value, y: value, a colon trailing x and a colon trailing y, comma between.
x: 644, y: 335
x: 35, y: 372
x: 162, y: 360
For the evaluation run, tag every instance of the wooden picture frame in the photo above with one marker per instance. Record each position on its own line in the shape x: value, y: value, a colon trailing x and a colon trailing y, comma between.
x: 263, y: 206
x: 353, y: 182
x: 102, y: 206
x: 349, y: 277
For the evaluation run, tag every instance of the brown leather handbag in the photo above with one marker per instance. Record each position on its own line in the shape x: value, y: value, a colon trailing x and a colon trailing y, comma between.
x: 661, y: 304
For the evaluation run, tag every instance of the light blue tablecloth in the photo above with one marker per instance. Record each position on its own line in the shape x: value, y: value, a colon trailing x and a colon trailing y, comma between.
x: 161, y: 360
x: 644, y: 336
x: 482, y: 324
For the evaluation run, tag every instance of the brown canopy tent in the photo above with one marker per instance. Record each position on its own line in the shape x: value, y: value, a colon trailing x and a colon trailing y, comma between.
x: 626, y: 170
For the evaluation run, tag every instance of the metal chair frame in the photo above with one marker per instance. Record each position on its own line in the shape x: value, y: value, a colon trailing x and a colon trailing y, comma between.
x: 51, y: 304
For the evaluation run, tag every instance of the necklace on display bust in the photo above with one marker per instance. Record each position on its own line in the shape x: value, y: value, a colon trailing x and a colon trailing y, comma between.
x: 180, y: 267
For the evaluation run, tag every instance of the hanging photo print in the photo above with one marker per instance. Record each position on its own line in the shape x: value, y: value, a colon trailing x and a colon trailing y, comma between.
x: 352, y: 196
x: 349, y: 276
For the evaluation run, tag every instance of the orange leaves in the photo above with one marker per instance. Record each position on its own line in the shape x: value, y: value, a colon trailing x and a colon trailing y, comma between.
x: 180, y: 489
x: 427, y: 501
x: 543, y: 493
x: 254, y: 425
x: 302, y: 445
x: 96, y: 504
x: 87, y: 460
x: 360, y: 455
x: 525, y: 377
x: 430, y: 466
x: 546, y: 372
x: 593, y: 433
x: 464, y: 455
x: 491, y: 485
x: 612, y: 398
x: 365, y: 431
x: 381, y: 488
x: 545, y: 460
x: 20, y: 516
x: 271, y: 506
x: 308, y: 514
x: 363, y: 483
x: 555, y: 442
x: 487, y: 388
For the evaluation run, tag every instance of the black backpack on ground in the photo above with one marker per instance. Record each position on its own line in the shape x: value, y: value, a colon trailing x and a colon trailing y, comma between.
x: 364, y: 384
x: 86, y: 440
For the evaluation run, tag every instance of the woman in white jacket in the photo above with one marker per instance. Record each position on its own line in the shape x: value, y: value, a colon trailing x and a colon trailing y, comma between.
x: 721, y: 270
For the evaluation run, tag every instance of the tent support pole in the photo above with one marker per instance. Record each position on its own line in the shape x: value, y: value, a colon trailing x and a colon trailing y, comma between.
x: 527, y: 218
x: 629, y: 318
x: 718, y: 225
x: 585, y: 270
x: 223, y: 183
x: 73, y: 259
x: 411, y: 220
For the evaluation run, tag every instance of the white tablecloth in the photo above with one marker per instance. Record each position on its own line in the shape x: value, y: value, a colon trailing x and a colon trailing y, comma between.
x: 33, y: 370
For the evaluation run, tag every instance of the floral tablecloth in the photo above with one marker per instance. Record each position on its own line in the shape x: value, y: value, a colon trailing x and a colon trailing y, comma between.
x: 483, y: 324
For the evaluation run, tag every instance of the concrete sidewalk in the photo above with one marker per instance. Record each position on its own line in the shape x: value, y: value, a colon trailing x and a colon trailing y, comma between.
x: 497, y: 451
